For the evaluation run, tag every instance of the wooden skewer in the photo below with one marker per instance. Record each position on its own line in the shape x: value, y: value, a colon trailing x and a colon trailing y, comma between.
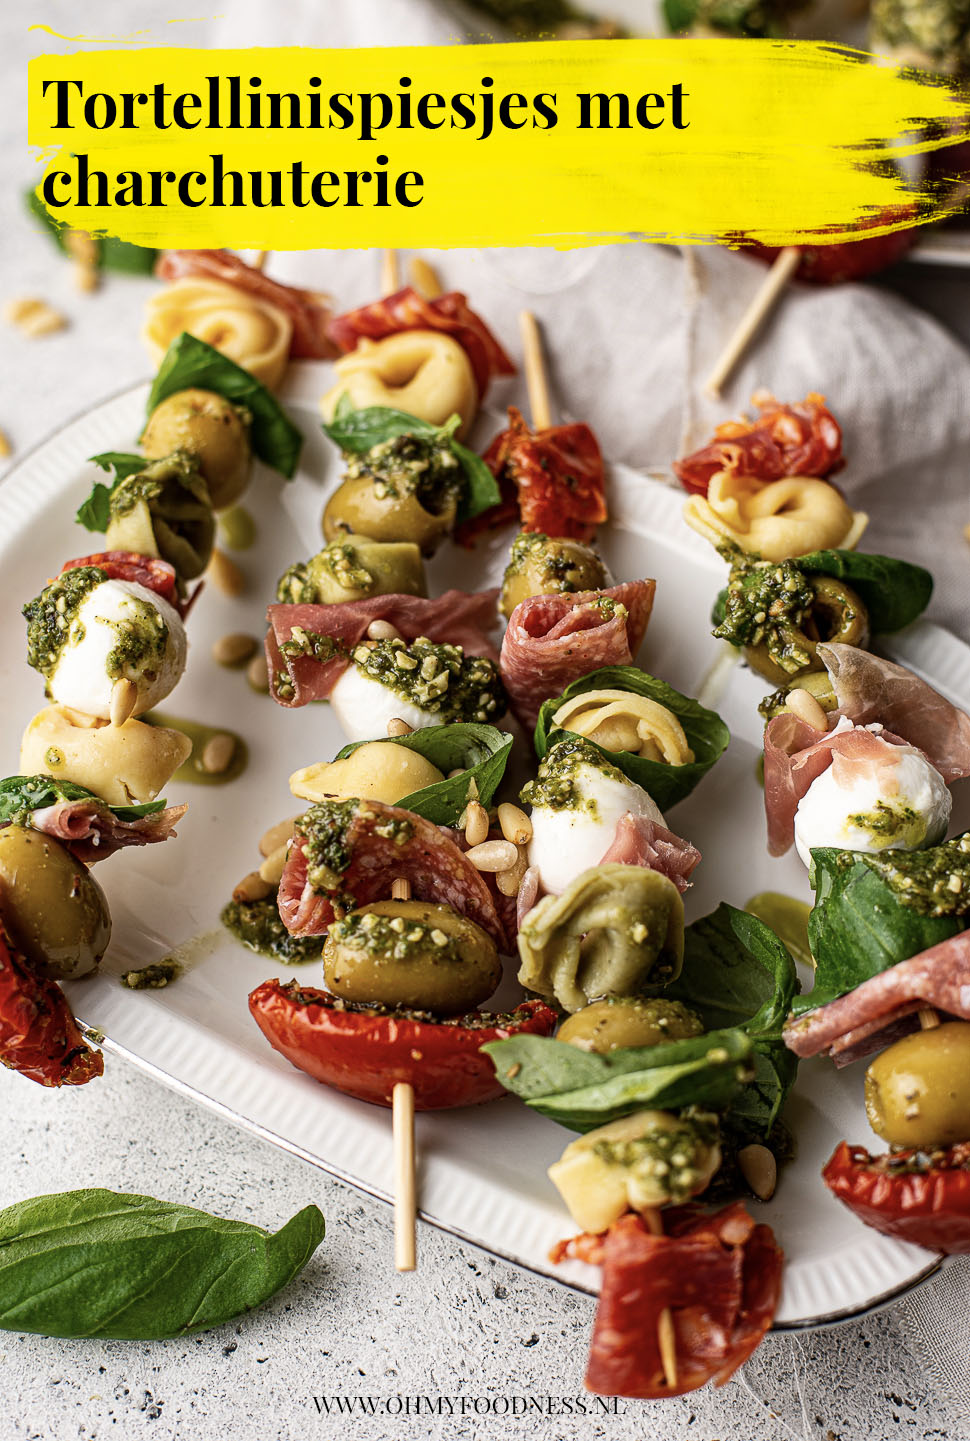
x: 124, y: 698
x: 928, y: 1019
x: 781, y: 272
x: 536, y: 379
x: 665, y: 1321
x: 424, y: 278
x: 402, y: 1114
x: 390, y: 272
x: 260, y: 259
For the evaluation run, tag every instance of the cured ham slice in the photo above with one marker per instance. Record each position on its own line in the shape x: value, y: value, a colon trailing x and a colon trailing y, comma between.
x: 856, y: 1024
x: 720, y: 1278
x: 384, y: 843
x: 640, y: 841
x: 552, y: 640
x: 803, y: 439
x: 92, y: 832
x: 309, y: 310
x: 454, y: 618
x: 407, y: 310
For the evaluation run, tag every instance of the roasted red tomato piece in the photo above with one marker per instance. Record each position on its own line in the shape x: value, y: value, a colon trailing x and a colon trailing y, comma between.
x: 802, y: 439
x: 365, y: 1050
x: 38, y: 1035
x: 917, y: 1196
x: 146, y: 570
x: 853, y: 259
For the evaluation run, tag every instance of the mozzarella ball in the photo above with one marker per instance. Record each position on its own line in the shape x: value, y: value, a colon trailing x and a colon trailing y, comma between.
x: 363, y: 707
x: 120, y: 629
x: 567, y: 841
x: 900, y: 802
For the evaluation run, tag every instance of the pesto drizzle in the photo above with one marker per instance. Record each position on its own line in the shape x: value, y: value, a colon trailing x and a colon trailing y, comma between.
x: 557, y: 784
x: 934, y: 882
x: 49, y: 615
x: 422, y: 466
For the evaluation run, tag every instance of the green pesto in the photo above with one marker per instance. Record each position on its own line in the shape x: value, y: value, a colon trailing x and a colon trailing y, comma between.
x: 609, y: 608
x: 557, y: 785
x: 139, y: 640
x: 295, y: 587
x: 767, y: 603
x: 311, y: 643
x: 739, y: 18
x: 192, y: 770
x: 150, y: 483
x: 817, y: 683
x: 152, y: 978
x: 300, y: 583
x: 326, y: 828
x: 675, y: 1158
x: 438, y: 678
x: 888, y: 823
x: 560, y: 566
x: 50, y: 615
x: 934, y: 882
x: 471, y: 1021
x: 423, y: 466
x: 938, y: 29
x: 395, y: 939
x: 257, y: 924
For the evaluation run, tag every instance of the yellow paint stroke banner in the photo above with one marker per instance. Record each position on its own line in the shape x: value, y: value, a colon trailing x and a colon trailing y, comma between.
x: 527, y: 144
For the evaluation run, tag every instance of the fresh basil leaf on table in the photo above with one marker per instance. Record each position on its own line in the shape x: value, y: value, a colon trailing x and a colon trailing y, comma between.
x: 126, y: 1267
x: 583, y: 1090
x: 20, y: 796
x: 358, y: 431
x: 95, y: 512
x: 858, y: 927
x: 481, y: 750
x: 893, y: 591
x: 190, y: 363
x: 706, y: 733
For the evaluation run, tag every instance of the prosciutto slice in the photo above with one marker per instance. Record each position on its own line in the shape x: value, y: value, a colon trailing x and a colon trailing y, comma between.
x: 92, y: 832
x: 640, y: 841
x: 803, y: 439
x: 856, y: 1024
x: 426, y: 856
x: 309, y: 310
x: 454, y: 618
x: 552, y: 640
x: 407, y: 310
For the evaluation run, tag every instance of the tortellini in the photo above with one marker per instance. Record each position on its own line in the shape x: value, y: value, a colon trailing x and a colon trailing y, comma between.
x: 165, y: 511
x: 251, y: 331
x: 614, y: 930
x: 375, y: 771
x: 776, y: 520
x: 422, y: 372
x: 124, y: 765
x: 619, y: 720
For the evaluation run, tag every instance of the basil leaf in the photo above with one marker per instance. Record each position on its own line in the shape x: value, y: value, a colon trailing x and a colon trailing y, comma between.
x: 95, y: 512
x: 858, y: 928
x: 736, y: 972
x: 706, y: 733
x: 96, y: 1263
x: 112, y: 254
x: 754, y: 1110
x: 190, y: 362
x: 679, y: 14
x: 122, y: 462
x: 894, y: 591
x: 482, y: 752
x: 20, y: 796
x: 358, y: 431
x: 583, y: 1090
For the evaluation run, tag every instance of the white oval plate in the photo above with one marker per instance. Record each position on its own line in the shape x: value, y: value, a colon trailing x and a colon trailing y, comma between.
x: 482, y: 1172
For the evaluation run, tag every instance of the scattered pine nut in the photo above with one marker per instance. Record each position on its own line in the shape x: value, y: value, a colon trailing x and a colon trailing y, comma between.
x: 124, y: 698
x: 493, y: 856
x: 34, y: 317
x: 5, y: 446
x: 218, y: 752
x: 398, y: 727
x: 225, y: 574
x: 476, y: 823
x: 803, y: 704
x: 515, y: 824
x: 383, y: 630
x: 271, y: 869
x: 258, y: 675
x: 234, y: 649
x: 252, y: 888
x: 759, y: 1169
x: 276, y: 836
x: 80, y: 246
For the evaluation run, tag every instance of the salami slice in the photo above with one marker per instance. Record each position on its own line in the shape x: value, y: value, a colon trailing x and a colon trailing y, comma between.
x: 552, y: 640
x: 639, y: 841
x: 939, y: 977
x: 407, y: 310
x: 378, y: 844
x: 803, y: 439
x: 92, y: 832
x: 456, y: 618
x: 146, y: 570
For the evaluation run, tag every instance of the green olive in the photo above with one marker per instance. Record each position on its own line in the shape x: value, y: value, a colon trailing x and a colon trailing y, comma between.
x: 837, y: 614
x: 365, y: 507
x: 545, y: 565
x: 620, y: 1021
x: 918, y: 1091
x: 54, y: 909
x: 212, y: 429
x: 411, y: 954
x: 354, y: 567
x: 818, y: 683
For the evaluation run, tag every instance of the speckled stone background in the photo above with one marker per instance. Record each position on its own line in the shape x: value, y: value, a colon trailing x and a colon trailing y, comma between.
x: 465, y: 1330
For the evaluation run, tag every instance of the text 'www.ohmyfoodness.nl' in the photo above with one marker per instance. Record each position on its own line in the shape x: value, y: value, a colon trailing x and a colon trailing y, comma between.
x: 517, y: 1404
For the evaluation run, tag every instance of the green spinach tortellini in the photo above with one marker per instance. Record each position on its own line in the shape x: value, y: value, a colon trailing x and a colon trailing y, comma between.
x: 165, y: 510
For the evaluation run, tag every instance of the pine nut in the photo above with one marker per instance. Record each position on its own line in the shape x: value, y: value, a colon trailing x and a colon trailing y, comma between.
x: 5, y: 446
x: 383, y: 630
x: 803, y: 704
x: 759, y: 1169
x: 225, y: 574
x: 398, y: 727
x: 87, y: 278
x: 476, y: 823
x: 252, y: 888
x: 234, y: 649
x: 458, y: 771
x: 218, y: 752
x: 272, y: 868
x: 493, y: 856
x: 510, y: 881
x: 515, y: 824
x: 258, y: 675
x: 276, y: 836
x: 124, y: 698
x: 33, y: 317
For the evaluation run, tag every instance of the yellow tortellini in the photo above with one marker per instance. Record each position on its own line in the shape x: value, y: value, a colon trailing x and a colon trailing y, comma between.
x: 376, y: 771
x: 124, y: 765
x: 251, y: 331
x: 776, y: 519
x: 614, y: 930
x: 618, y: 720
x: 422, y: 372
